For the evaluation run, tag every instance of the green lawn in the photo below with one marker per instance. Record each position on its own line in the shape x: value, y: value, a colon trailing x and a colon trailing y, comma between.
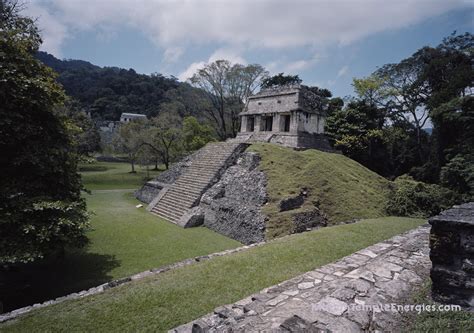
x: 339, y: 186
x: 437, y: 321
x: 161, y: 302
x: 124, y: 240
x: 106, y: 175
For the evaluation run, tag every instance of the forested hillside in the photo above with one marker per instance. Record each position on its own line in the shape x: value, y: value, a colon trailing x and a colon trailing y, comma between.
x: 108, y: 91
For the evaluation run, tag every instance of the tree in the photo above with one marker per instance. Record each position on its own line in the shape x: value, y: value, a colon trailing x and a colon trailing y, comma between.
x: 280, y: 80
x: 164, y: 137
x: 458, y: 175
x: 227, y: 87
x: 417, y: 199
x: 397, y: 90
x: 85, y: 133
x: 409, y: 91
x: 41, y: 209
x: 108, y: 91
x: 447, y: 69
x: 129, y: 140
x: 195, y: 135
x: 358, y: 131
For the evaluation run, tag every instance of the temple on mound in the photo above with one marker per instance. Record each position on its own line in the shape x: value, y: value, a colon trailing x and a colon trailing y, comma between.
x: 293, y: 116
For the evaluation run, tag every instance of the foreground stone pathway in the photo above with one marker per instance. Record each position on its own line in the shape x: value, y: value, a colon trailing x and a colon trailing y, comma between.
x: 334, y: 297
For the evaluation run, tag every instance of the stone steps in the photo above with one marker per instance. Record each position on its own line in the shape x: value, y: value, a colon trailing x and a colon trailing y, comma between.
x: 199, y: 176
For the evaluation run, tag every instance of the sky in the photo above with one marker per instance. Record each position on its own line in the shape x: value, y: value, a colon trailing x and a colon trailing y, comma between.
x: 327, y: 43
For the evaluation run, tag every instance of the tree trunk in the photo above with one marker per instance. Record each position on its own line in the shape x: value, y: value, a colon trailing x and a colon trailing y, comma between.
x: 222, y: 115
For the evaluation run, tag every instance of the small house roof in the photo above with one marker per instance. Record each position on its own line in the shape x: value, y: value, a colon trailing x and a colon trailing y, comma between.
x: 132, y: 115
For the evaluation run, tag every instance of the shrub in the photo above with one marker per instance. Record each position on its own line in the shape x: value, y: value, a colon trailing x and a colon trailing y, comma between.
x: 458, y: 175
x: 417, y: 199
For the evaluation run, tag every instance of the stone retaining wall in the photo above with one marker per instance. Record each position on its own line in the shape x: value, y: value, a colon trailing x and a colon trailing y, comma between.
x: 348, y: 295
x: 232, y: 206
x: 452, y: 255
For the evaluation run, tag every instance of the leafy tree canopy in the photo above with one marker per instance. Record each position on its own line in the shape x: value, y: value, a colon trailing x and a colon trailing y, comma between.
x: 41, y: 209
x: 280, y: 80
x: 227, y: 87
x: 108, y: 92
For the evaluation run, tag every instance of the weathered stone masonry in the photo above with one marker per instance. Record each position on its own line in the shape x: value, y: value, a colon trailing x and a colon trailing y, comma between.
x: 292, y: 116
x: 331, y: 298
x: 452, y: 255
x: 232, y: 207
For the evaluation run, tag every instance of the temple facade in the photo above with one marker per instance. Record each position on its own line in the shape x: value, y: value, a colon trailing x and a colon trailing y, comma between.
x: 292, y: 116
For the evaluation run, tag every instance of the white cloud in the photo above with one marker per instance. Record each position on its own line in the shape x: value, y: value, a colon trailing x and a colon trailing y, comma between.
x: 53, y: 32
x: 173, y: 54
x: 191, y: 70
x: 292, y: 67
x: 221, y: 54
x: 343, y: 71
x: 227, y: 54
x: 243, y: 23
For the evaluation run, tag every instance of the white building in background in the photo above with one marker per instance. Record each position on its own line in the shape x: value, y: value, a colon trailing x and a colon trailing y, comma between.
x: 128, y: 117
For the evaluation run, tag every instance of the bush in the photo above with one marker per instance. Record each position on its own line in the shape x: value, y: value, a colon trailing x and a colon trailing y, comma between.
x: 417, y: 199
x: 458, y: 175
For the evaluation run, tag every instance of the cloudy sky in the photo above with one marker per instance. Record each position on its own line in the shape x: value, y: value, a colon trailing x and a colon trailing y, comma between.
x: 325, y: 42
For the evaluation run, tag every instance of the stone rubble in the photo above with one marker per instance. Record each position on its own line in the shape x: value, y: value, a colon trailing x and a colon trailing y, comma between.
x: 233, y: 206
x: 332, y: 297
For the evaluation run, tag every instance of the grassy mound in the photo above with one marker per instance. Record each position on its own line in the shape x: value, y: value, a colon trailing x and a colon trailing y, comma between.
x: 159, y: 303
x: 339, y: 186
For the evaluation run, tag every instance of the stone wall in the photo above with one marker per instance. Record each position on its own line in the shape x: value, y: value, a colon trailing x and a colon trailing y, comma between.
x: 358, y: 293
x: 452, y: 256
x: 149, y: 191
x: 303, y: 140
x: 232, y: 206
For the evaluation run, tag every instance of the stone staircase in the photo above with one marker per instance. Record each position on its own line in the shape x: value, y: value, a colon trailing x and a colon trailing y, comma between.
x: 204, y: 171
x: 254, y: 137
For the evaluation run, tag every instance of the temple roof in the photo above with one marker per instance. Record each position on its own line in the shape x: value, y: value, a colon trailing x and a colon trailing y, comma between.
x: 284, y: 99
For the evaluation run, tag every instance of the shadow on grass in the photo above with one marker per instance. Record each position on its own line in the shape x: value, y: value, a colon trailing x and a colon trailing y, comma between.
x: 23, y: 285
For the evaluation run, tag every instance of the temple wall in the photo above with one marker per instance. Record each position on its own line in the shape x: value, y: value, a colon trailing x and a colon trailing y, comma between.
x: 273, y: 104
x: 309, y: 123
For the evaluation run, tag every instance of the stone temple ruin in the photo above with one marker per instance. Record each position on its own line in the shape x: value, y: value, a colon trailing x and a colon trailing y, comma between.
x: 293, y: 116
x: 221, y: 186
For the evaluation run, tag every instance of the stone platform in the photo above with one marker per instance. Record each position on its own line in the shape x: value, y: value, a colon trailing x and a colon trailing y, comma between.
x: 335, y: 297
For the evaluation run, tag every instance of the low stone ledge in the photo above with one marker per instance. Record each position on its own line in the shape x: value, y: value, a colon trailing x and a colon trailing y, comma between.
x: 115, y: 283
x: 339, y: 297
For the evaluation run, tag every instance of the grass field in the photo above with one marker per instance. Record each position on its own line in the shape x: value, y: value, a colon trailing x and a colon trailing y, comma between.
x: 106, y: 175
x: 175, y: 297
x: 123, y: 240
x: 437, y: 321
x: 339, y: 186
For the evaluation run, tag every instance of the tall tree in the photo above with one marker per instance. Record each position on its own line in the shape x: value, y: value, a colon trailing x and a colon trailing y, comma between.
x: 405, y: 95
x: 227, y: 87
x: 164, y: 137
x: 41, y: 209
x: 85, y: 134
x: 196, y: 135
x: 128, y: 140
